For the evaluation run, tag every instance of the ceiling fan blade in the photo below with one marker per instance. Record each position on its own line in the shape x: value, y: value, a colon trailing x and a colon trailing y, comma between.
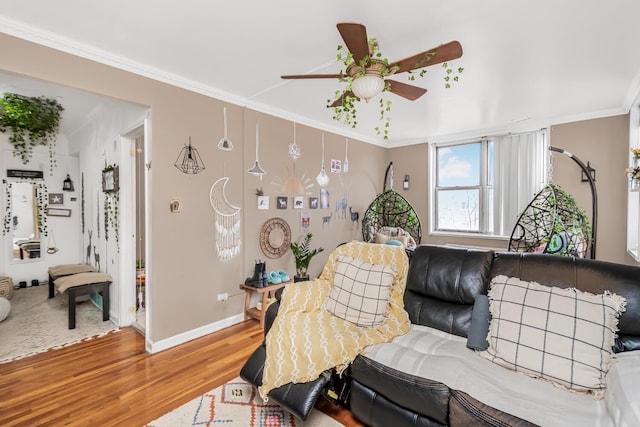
x: 313, y: 76
x: 443, y: 53
x: 404, y: 90
x: 355, y: 37
x: 338, y: 102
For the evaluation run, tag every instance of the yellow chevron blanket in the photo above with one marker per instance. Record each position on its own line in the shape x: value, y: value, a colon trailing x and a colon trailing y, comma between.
x: 306, y: 339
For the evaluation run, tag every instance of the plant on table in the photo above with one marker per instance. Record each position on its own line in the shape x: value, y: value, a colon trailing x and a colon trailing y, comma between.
x: 303, y: 254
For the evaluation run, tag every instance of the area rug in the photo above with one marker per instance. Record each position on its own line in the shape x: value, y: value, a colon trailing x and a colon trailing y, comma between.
x: 37, y: 324
x: 237, y: 403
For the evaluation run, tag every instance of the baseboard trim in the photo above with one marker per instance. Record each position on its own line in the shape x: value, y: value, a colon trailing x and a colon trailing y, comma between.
x: 155, y: 347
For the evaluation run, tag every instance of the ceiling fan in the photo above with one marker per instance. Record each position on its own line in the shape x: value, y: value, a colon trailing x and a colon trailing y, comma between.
x: 367, y: 72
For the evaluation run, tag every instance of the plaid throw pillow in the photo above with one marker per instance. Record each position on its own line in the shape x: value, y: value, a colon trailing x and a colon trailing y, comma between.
x: 360, y: 292
x: 561, y: 335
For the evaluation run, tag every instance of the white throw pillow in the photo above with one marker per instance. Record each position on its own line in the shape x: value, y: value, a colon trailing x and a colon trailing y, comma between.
x: 561, y: 335
x: 360, y: 292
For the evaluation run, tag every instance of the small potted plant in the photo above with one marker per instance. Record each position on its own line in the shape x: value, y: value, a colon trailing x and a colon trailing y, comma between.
x: 303, y: 255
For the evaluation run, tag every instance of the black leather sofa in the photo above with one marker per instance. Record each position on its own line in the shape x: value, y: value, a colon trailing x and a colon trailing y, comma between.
x: 442, y: 285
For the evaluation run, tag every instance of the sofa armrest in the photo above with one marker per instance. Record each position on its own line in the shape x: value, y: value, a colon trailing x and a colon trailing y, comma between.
x: 270, y: 315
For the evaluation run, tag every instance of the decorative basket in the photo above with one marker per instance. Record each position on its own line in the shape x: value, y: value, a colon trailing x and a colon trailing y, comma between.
x: 6, y: 287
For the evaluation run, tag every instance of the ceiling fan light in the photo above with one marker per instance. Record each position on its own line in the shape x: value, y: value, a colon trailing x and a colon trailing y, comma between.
x: 367, y: 86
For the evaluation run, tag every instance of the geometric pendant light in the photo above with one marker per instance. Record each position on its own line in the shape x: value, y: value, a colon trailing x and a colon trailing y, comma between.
x: 189, y: 161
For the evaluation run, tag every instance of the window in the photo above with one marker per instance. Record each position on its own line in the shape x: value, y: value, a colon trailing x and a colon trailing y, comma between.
x: 483, y: 186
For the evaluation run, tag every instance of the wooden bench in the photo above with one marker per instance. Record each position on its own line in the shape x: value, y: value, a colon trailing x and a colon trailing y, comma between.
x: 62, y: 270
x: 82, y: 284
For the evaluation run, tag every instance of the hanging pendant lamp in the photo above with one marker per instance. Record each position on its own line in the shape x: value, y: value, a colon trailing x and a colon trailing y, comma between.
x: 256, y: 169
x: 345, y: 168
x: 189, y: 161
x: 322, y: 179
x: 294, y: 149
x: 225, y: 143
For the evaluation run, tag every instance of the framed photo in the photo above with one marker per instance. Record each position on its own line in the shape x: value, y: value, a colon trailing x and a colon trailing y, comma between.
x: 298, y: 202
x: 313, y: 203
x: 110, y: 179
x: 282, y: 202
x: 263, y: 202
x: 58, y: 212
x: 56, y: 199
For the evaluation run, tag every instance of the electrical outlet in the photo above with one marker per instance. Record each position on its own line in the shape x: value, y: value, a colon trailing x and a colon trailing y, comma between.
x: 223, y: 297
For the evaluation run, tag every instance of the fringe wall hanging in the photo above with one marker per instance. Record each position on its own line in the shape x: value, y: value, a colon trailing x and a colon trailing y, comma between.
x: 227, y: 221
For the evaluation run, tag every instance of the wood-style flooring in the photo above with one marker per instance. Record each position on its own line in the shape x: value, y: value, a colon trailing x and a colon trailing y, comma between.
x: 113, y: 381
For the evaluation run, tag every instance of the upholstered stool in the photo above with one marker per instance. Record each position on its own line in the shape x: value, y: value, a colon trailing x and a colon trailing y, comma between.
x: 82, y: 284
x: 6, y: 287
x: 61, y: 270
x: 5, y: 308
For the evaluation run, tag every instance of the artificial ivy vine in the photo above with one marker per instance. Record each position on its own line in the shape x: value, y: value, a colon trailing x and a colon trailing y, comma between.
x: 112, y: 212
x: 42, y: 197
x: 32, y: 121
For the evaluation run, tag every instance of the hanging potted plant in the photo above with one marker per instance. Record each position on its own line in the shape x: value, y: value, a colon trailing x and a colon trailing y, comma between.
x: 31, y: 122
x: 303, y: 255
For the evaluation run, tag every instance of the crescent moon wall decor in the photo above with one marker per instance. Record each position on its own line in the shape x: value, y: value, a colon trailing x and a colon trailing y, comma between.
x: 227, y: 221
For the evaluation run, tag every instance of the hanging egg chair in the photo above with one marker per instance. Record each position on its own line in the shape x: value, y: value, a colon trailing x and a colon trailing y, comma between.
x: 553, y: 224
x: 390, y: 210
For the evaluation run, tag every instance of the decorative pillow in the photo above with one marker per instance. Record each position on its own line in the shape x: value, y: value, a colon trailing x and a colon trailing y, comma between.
x: 564, y: 336
x: 360, y: 292
x: 479, y: 328
x: 384, y: 238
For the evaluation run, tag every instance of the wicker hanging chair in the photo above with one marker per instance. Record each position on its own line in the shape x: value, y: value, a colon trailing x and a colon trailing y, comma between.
x: 552, y: 223
x: 390, y: 209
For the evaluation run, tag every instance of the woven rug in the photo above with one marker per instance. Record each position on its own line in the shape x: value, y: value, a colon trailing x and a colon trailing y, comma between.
x: 37, y: 324
x: 236, y: 403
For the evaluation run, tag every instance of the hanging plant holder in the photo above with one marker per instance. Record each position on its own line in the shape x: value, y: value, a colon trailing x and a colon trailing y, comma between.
x: 31, y: 122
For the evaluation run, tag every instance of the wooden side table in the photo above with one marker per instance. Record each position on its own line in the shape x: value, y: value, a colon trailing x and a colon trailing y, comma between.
x: 266, y: 292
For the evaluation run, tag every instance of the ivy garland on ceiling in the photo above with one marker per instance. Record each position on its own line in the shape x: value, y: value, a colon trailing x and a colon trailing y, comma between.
x: 32, y: 121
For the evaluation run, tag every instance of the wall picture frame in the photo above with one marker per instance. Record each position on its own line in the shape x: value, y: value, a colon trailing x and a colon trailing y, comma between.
x: 56, y: 199
x: 111, y: 179
x: 58, y: 212
x: 282, y: 202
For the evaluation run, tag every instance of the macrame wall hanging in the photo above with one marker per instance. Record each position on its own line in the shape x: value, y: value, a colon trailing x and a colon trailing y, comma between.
x: 227, y: 221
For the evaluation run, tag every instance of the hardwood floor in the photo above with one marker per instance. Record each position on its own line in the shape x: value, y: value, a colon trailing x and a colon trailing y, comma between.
x: 112, y: 381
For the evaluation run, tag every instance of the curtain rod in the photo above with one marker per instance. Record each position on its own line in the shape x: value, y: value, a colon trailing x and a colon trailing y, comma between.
x: 511, y: 133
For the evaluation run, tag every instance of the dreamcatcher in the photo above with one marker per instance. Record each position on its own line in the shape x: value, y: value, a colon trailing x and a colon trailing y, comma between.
x: 227, y: 221
x: 390, y: 210
x: 552, y: 223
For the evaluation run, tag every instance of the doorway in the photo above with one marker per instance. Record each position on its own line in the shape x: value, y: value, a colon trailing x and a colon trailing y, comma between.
x: 141, y: 282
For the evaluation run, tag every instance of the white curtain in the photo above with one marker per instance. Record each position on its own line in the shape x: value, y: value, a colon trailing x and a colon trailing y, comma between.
x: 520, y: 172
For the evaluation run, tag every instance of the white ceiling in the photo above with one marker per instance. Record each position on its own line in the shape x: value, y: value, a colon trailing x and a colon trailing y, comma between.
x: 526, y: 64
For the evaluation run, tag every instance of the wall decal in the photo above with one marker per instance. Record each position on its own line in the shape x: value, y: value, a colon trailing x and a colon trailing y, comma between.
x: 263, y: 203
x: 298, y: 202
x: 313, y: 203
x: 326, y: 219
x: 341, y: 207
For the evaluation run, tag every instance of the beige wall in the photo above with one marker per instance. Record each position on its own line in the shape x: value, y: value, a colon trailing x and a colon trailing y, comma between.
x: 184, y: 272
x: 605, y: 144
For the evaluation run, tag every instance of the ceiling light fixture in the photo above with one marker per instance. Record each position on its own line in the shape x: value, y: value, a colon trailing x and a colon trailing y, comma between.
x: 256, y: 169
x: 189, y: 161
x: 322, y: 178
x: 367, y: 86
